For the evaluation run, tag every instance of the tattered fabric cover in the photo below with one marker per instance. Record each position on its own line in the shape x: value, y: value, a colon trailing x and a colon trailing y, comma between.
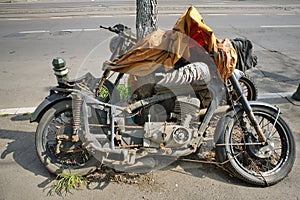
x: 165, y: 48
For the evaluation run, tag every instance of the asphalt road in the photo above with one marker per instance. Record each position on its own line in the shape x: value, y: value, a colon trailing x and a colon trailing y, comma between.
x: 28, y: 46
x: 29, y: 42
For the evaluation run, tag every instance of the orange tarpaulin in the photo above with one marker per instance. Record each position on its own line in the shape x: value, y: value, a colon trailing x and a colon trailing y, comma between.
x: 165, y: 48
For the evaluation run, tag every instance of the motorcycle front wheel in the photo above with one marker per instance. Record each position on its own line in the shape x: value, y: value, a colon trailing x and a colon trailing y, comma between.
x: 247, y: 158
x: 54, y: 145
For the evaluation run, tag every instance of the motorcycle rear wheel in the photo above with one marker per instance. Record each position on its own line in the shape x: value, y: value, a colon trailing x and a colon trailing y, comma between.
x: 245, y: 161
x: 72, y: 158
x: 249, y: 88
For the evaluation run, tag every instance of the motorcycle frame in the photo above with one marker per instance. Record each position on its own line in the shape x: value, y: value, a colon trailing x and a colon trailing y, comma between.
x: 215, y: 86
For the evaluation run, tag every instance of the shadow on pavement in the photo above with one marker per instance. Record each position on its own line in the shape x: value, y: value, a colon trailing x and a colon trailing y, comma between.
x: 279, y: 77
x: 21, y: 118
x: 22, y: 148
x: 204, y: 169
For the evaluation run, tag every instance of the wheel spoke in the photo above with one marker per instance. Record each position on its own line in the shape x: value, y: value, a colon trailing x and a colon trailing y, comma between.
x: 249, y: 160
x: 255, y: 162
x: 69, y: 153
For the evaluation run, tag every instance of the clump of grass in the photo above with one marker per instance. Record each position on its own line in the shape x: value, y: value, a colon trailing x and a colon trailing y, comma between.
x: 124, y: 91
x: 103, y: 93
x: 4, y: 115
x: 68, y: 182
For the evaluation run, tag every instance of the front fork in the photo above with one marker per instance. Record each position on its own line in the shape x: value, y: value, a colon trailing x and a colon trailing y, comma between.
x: 243, y: 100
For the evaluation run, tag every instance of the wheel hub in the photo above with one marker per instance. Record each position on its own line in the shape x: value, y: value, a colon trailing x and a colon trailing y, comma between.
x: 260, y: 151
x: 266, y: 151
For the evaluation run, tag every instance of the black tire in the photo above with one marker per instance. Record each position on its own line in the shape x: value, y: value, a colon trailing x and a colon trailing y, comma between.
x: 244, y: 161
x: 249, y: 88
x: 81, y: 162
x: 60, y: 115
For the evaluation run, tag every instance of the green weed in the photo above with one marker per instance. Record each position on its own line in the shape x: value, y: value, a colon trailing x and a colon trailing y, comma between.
x: 103, y: 93
x: 68, y: 182
x: 124, y: 91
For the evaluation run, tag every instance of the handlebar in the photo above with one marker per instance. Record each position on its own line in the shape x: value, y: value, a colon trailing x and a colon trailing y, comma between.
x: 112, y: 29
x: 121, y: 29
x: 116, y: 28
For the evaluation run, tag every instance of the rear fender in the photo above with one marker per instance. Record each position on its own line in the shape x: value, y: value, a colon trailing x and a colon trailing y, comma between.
x: 50, y: 100
x: 58, y: 94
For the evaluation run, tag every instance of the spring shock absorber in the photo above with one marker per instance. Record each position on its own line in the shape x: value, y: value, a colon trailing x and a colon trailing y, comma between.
x: 77, y: 103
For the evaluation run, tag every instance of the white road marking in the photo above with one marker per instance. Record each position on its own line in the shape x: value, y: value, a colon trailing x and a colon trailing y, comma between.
x: 274, y: 95
x: 133, y: 15
x: 38, y: 31
x: 72, y: 30
x: 286, y: 14
x: 252, y: 14
x: 64, y: 30
x: 100, y: 16
x: 280, y: 26
x: 91, y: 29
x: 17, y: 19
x: 217, y: 14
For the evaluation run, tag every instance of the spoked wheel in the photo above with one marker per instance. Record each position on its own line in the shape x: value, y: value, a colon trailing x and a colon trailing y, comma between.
x: 248, y: 87
x: 55, y: 146
x: 251, y: 160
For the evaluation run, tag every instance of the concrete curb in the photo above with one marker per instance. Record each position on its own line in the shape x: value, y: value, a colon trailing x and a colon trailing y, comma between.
x: 274, y: 95
x: 16, y: 111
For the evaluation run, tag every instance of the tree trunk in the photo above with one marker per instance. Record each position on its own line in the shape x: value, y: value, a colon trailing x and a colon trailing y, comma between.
x: 146, y: 17
x: 146, y: 22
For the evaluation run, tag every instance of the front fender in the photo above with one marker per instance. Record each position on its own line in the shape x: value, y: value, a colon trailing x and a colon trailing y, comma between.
x: 221, y: 126
x: 47, y: 103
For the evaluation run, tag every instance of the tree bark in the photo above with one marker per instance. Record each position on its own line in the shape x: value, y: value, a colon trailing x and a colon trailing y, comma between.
x: 146, y: 23
x: 146, y: 17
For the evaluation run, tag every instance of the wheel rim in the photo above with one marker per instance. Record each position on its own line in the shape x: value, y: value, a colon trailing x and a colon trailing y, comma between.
x: 245, y: 88
x: 245, y: 156
x: 71, y: 154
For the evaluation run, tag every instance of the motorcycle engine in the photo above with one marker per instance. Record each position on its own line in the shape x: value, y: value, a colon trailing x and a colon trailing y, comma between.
x: 172, y: 124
